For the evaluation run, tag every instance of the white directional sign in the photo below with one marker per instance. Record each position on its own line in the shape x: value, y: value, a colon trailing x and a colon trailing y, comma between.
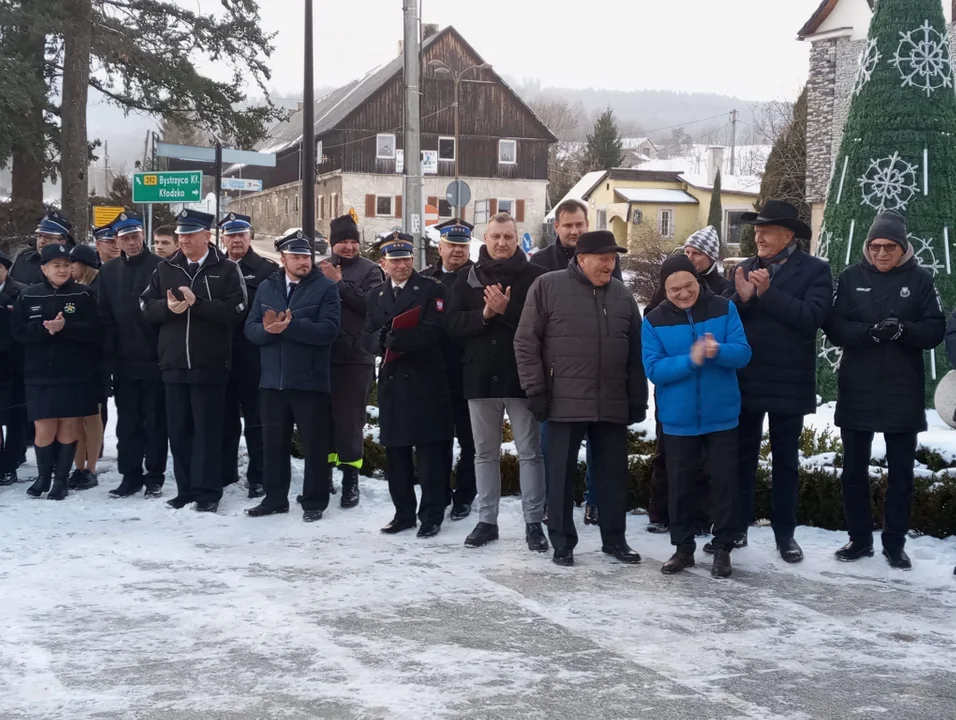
x: 242, y: 184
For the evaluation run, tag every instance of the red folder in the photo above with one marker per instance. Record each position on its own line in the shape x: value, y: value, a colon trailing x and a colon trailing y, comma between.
x: 406, y: 320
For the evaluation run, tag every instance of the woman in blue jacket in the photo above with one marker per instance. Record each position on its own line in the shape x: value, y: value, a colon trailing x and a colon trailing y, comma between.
x: 693, y: 344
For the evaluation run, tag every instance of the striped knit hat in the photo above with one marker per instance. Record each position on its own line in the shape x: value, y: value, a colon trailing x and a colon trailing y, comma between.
x: 707, y: 241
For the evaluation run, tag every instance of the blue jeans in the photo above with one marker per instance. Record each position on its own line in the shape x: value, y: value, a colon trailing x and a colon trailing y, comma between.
x: 590, y: 494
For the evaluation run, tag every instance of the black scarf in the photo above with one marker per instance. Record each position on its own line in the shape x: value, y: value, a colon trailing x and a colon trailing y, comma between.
x: 774, y: 263
x: 491, y: 271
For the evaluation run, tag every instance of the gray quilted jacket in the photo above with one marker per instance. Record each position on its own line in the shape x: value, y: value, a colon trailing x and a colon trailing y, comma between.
x: 581, y: 344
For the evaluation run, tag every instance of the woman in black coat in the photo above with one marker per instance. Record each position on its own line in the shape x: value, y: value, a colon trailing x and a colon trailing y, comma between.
x: 886, y: 314
x: 56, y: 322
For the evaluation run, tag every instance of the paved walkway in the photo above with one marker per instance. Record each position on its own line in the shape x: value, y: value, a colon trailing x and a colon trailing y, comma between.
x: 125, y: 609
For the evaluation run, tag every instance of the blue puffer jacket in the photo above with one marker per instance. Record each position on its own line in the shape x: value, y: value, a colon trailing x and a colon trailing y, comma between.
x: 694, y: 400
x: 299, y: 357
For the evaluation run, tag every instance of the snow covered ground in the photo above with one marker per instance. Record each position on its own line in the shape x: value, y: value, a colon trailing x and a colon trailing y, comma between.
x: 126, y: 609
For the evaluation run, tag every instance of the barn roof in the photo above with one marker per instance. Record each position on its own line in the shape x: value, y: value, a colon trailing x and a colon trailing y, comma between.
x: 820, y: 15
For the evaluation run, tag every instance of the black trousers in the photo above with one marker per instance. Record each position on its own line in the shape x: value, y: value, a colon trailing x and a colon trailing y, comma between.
x: 431, y: 459
x: 785, y: 445
x: 465, y: 483
x: 658, y: 510
x: 350, y: 387
x: 242, y: 401
x: 141, y: 428
x: 609, y: 450
x: 309, y: 411
x: 683, y: 474
x: 900, y: 454
x: 194, y: 419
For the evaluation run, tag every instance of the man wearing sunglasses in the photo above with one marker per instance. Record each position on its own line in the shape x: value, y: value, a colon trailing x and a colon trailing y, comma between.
x: 886, y: 314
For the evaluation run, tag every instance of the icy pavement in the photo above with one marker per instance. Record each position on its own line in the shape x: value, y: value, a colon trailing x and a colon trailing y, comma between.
x: 126, y: 609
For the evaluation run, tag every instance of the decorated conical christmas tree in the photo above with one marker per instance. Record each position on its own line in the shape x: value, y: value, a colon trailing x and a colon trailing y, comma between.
x: 898, y: 153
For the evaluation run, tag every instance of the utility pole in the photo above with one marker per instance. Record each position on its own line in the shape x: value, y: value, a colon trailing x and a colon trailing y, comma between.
x: 412, y: 207
x: 733, y: 141
x: 308, y: 136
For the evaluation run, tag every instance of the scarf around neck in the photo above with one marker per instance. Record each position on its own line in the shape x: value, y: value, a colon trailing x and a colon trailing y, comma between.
x: 773, y: 264
x: 490, y: 271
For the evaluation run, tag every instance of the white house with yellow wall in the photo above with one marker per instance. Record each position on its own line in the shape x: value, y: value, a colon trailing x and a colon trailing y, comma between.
x: 665, y: 205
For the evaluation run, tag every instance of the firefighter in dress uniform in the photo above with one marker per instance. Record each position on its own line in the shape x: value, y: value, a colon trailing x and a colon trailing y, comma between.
x: 414, y: 401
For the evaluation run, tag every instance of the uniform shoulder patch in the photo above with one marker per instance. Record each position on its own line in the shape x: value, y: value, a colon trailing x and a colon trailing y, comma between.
x: 439, y: 304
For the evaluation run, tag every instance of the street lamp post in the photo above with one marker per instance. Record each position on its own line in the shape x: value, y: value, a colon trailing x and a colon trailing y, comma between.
x: 443, y: 69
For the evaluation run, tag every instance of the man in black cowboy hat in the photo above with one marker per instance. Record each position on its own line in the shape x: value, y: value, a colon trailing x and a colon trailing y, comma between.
x: 414, y: 402
x: 357, y: 278
x: 784, y: 296
x: 242, y: 391
x: 454, y: 252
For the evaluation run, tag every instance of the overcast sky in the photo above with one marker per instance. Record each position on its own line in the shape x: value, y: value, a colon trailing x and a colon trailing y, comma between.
x: 746, y: 48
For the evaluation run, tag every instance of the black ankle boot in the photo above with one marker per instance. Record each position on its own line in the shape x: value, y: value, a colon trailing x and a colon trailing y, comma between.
x: 350, y: 486
x: 61, y: 476
x: 46, y: 460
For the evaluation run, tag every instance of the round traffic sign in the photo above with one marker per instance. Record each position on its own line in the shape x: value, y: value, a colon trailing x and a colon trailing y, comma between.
x: 431, y: 215
x: 458, y: 194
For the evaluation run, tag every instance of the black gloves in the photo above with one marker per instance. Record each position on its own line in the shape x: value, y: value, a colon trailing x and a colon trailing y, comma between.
x: 887, y: 331
x: 538, y: 405
x: 381, y: 337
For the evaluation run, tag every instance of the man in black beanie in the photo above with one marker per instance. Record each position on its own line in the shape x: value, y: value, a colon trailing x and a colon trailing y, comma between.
x: 352, y: 367
x: 886, y: 314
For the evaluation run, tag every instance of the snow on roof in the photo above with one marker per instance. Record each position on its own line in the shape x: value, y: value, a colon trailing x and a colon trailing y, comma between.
x: 743, y: 184
x: 580, y: 189
x: 634, y: 143
x: 656, y: 196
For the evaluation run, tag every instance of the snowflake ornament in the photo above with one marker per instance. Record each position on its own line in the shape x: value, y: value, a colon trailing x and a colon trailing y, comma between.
x: 889, y: 183
x: 869, y: 59
x: 831, y: 354
x: 923, y: 249
x: 923, y: 59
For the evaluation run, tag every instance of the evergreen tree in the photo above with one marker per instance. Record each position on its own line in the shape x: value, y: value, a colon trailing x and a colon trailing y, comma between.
x: 785, y: 177
x: 605, y: 149
x: 716, y: 215
x: 898, y: 153
x: 748, y: 241
x: 144, y: 54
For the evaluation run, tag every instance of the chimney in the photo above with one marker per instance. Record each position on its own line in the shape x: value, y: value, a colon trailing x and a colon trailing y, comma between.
x: 715, y: 162
x: 428, y: 30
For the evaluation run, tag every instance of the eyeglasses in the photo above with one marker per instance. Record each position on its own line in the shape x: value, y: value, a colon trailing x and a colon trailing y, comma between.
x: 888, y: 248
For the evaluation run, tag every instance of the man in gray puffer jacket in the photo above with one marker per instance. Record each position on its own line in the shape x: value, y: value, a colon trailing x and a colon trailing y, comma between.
x: 578, y: 348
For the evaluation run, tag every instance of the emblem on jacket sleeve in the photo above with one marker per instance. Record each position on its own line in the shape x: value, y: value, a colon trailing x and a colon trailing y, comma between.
x: 905, y: 292
x: 439, y: 304
x: 69, y: 308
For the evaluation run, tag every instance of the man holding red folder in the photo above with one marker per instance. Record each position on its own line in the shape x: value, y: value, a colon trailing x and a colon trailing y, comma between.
x: 405, y: 325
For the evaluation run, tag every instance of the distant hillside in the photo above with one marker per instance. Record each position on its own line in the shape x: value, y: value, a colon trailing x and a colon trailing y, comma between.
x: 646, y: 112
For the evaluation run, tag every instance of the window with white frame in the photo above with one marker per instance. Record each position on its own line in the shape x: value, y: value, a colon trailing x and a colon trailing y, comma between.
x: 733, y: 226
x: 384, y: 205
x: 444, y: 208
x: 481, y: 212
x: 446, y: 148
x: 385, y: 146
x: 665, y: 222
x: 506, y: 206
x: 507, y: 152
x: 601, y: 219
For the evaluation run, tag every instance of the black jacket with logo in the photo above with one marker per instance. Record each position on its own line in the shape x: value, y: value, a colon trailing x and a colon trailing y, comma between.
x: 196, y: 346
x: 129, y: 341
x: 881, y: 385
x: 413, y: 396
x: 68, y: 356
x: 245, y: 355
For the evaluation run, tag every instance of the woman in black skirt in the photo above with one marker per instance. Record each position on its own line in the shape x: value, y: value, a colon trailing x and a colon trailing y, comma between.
x: 89, y: 441
x: 55, y: 321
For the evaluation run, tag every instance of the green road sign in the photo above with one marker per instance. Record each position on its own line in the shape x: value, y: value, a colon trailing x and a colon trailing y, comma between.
x: 167, y: 187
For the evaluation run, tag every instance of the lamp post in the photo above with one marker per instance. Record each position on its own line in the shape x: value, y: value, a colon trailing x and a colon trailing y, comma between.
x: 442, y: 69
x: 308, y: 134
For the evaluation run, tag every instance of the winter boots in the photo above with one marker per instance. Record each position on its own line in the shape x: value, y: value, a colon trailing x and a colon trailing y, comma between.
x: 46, y: 460
x: 61, y: 475
x: 350, y: 486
